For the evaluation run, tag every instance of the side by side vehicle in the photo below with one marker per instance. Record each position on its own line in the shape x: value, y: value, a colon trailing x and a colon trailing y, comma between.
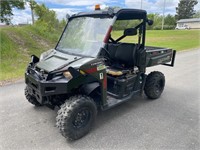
x: 93, y: 69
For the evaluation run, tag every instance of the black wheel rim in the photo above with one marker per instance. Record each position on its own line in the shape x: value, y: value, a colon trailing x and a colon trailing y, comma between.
x: 82, y: 118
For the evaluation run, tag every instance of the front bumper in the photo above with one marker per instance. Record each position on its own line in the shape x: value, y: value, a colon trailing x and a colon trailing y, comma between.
x: 40, y: 88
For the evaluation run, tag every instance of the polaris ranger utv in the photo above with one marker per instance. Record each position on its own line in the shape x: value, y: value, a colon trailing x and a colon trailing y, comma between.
x: 91, y: 70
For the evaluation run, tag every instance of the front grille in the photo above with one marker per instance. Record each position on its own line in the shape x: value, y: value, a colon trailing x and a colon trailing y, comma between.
x: 34, y: 85
x: 41, y: 72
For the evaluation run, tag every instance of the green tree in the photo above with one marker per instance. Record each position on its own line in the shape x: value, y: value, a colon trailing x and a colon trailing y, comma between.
x: 6, y: 9
x: 197, y: 14
x: 62, y: 24
x: 46, y: 18
x: 120, y: 24
x: 185, y: 9
x: 157, y: 21
x: 170, y: 20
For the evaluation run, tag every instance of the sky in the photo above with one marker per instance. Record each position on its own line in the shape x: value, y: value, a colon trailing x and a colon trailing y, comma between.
x: 62, y: 7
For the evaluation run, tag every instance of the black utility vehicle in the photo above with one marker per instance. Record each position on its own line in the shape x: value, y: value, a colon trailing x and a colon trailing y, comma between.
x: 91, y: 70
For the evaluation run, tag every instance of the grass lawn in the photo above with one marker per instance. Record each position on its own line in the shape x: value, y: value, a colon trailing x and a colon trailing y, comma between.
x: 175, y: 39
x: 19, y: 43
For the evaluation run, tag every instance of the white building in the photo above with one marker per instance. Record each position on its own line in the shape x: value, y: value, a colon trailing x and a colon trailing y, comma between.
x: 193, y: 23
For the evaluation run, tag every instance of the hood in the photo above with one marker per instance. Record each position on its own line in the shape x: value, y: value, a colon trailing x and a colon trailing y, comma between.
x: 59, y: 60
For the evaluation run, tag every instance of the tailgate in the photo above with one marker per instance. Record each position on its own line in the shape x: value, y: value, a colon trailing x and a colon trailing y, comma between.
x: 157, y: 56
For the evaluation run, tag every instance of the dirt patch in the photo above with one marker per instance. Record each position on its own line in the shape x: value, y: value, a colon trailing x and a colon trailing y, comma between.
x: 16, y: 38
x: 39, y: 40
x: 19, y: 41
x: 11, y: 81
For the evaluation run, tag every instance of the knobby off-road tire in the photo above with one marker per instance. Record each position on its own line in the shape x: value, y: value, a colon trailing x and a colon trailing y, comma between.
x: 76, y: 117
x: 31, y: 99
x: 154, y: 85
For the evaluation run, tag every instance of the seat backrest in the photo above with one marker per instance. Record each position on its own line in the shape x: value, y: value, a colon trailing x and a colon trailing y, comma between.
x: 112, y: 48
x: 125, y: 54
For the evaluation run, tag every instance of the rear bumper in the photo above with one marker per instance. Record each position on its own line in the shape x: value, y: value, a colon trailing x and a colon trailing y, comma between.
x: 40, y: 89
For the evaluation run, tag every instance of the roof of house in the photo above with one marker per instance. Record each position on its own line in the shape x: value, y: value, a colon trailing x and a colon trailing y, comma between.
x: 189, y: 20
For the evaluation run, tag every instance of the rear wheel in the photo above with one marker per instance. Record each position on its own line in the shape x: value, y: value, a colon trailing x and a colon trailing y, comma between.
x: 76, y: 117
x: 154, y: 85
x: 31, y: 99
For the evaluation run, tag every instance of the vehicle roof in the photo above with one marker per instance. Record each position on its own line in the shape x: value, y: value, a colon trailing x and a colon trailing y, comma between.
x: 122, y: 14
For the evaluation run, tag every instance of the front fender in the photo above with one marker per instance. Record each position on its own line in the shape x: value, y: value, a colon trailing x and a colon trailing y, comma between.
x: 89, y: 88
x: 80, y: 80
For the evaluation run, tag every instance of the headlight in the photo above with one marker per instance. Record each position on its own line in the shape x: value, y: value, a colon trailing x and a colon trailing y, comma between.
x: 45, y: 54
x: 67, y: 75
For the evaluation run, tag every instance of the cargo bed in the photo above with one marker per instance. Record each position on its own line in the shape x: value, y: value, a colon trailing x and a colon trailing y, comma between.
x: 159, y: 55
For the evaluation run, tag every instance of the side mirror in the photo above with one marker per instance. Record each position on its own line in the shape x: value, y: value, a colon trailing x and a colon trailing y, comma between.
x: 150, y: 22
x: 34, y: 59
x: 67, y: 17
x: 130, y: 32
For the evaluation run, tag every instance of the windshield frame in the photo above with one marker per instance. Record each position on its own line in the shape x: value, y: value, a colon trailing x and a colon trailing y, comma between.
x: 81, y: 16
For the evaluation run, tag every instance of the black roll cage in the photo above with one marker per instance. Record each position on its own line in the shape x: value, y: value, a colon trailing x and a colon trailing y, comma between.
x: 121, y: 14
x: 139, y: 26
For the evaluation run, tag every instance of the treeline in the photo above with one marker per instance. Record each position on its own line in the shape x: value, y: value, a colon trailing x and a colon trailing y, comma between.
x: 169, y: 23
x: 184, y: 10
x: 47, y: 20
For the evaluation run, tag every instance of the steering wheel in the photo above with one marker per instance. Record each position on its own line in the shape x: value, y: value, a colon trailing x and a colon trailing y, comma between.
x: 107, y: 56
x: 107, y: 53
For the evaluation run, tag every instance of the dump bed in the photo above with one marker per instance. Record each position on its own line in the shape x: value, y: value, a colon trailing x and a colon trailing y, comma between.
x: 159, y: 55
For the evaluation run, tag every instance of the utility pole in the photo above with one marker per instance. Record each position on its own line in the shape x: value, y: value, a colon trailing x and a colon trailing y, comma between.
x: 141, y: 5
x: 163, y: 17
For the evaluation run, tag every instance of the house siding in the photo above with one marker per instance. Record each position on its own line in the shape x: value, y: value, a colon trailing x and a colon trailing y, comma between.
x: 191, y: 23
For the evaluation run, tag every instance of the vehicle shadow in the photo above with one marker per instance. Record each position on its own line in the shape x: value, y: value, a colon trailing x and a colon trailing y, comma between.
x: 107, y: 118
x: 124, y: 120
x: 104, y: 117
x: 103, y: 123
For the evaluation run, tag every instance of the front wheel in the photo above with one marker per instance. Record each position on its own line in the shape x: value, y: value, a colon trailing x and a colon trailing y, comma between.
x: 154, y: 85
x: 76, y: 117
